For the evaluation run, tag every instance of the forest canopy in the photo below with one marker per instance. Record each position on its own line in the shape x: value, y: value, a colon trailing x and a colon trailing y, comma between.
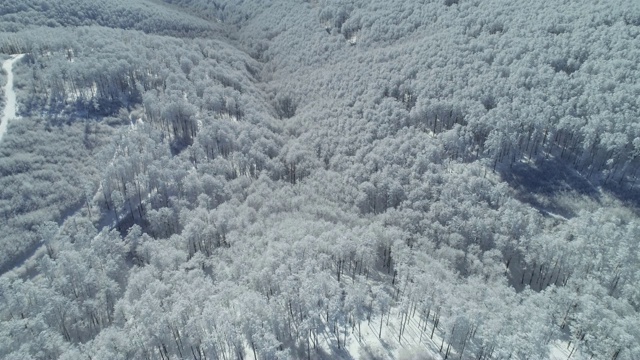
x: 321, y: 179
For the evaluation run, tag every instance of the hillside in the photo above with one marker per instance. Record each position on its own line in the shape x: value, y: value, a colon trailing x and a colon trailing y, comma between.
x: 320, y: 180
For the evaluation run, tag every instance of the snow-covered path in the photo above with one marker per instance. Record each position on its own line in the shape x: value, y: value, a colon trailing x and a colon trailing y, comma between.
x: 9, y: 111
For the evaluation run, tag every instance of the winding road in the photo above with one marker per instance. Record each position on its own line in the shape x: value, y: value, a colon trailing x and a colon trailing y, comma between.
x: 9, y: 111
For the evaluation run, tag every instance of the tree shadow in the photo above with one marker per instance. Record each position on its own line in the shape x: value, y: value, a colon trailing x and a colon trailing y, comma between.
x: 543, y: 183
x: 627, y: 192
x: 328, y: 350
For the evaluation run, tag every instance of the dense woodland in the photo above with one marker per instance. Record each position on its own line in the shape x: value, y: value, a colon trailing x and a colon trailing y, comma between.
x: 321, y: 179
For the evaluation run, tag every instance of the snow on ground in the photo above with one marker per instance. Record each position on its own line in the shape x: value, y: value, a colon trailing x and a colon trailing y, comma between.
x: 9, y: 111
x: 368, y: 345
x: 363, y: 343
x: 554, y: 215
x: 558, y: 351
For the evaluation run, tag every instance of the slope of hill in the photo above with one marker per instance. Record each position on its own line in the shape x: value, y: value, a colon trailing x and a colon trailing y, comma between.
x: 322, y: 179
x: 142, y: 15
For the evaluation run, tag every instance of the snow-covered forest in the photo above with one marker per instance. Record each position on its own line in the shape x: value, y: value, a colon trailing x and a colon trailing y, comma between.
x: 320, y: 179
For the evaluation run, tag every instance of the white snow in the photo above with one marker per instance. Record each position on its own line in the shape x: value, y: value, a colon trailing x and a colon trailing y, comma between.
x: 558, y: 351
x: 555, y: 216
x: 9, y: 111
x: 370, y: 346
